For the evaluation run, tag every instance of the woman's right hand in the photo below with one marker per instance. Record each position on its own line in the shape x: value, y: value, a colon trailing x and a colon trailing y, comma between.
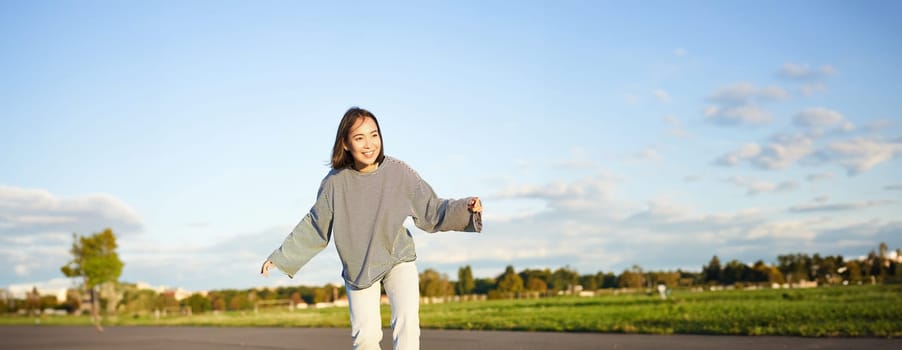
x: 267, y: 265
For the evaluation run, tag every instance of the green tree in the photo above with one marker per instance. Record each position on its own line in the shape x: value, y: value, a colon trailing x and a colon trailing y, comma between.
x: 610, y: 280
x: 509, y: 283
x: 712, y: 271
x: 536, y: 284
x: 434, y: 284
x: 735, y: 272
x: 465, y: 283
x: 589, y: 282
x: 95, y: 260
x: 296, y: 298
x: 758, y: 273
x: 853, y: 272
x: 632, y: 278
x: 197, y: 303
x: 484, y: 285
x: 536, y: 280
x: 563, y: 279
x: 667, y: 278
x: 795, y: 267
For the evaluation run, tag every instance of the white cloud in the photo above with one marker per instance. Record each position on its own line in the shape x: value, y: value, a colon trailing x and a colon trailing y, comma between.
x: 754, y: 186
x: 811, y: 89
x: 692, y: 178
x: 662, y: 96
x: 861, y: 154
x: 747, y: 151
x: 818, y: 117
x: 782, y: 230
x: 804, y: 72
x: 680, y: 52
x: 879, y: 125
x: 598, y: 187
x: 819, y: 177
x: 739, y: 104
x: 593, y: 240
x: 738, y: 115
x: 27, y: 211
x: 648, y: 154
x: 676, y: 126
x: 780, y: 152
x: 832, y: 207
x: 744, y: 93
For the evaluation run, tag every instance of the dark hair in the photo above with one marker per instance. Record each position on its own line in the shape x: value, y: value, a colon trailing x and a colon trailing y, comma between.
x: 342, y: 158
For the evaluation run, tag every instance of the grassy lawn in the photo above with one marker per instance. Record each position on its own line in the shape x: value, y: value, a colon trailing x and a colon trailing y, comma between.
x: 828, y: 311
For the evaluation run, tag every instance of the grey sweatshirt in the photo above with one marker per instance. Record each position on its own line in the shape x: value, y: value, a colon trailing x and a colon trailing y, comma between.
x: 365, y: 212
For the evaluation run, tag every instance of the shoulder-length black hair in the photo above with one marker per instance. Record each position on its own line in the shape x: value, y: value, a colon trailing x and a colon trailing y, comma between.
x: 342, y: 158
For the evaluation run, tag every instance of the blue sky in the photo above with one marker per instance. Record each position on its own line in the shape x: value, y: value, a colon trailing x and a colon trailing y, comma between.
x: 599, y: 134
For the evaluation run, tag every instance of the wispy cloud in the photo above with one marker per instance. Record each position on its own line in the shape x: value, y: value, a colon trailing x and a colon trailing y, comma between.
x: 584, y: 194
x: 818, y: 117
x: 661, y: 95
x: 811, y: 89
x: 738, y: 115
x: 860, y: 154
x: 754, y: 186
x: 819, y: 177
x: 648, y: 154
x: 739, y: 104
x: 745, y: 93
x: 804, y: 72
x: 895, y: 187
x: 692, y: 178
x: 818, y: 207
x: 780, y: 152
x: 29, y: 211
x: 676, y: 126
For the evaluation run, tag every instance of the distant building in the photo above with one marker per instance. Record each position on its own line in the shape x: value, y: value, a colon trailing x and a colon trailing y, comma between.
x: 56, y: 287
x: 177, y: 293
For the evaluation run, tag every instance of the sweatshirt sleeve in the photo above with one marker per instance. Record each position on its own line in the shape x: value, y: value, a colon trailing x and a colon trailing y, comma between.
x: 308, y: 238
x: 433, y: 214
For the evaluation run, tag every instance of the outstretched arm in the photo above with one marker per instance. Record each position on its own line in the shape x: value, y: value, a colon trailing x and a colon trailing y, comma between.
x: 308, y: 238
x: 434, y: 214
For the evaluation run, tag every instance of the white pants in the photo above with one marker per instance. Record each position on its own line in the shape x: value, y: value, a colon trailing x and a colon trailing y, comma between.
x: 402, y: 284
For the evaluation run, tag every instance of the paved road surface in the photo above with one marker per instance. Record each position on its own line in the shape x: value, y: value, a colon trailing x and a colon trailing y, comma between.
x: 204, y: 338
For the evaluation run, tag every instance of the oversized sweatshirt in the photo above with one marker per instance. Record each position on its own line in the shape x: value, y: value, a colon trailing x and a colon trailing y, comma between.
x: 365, y: 212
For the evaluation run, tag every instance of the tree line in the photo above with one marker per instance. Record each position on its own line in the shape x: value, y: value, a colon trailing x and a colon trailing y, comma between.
x: 98, y: 266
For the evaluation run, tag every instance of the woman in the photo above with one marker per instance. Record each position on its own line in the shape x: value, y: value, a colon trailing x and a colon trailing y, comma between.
x: 363, y: 203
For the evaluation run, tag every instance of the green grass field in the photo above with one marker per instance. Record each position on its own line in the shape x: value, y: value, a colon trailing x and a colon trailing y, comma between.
x: 830, y: 311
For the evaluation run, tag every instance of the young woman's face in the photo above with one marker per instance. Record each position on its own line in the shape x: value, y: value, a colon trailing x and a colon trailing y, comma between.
x: 364, y: 144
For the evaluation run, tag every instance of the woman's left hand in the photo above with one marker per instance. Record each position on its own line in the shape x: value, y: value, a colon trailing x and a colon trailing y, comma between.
x: 475, y: 205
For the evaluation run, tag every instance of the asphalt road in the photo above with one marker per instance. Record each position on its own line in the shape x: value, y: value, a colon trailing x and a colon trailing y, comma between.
x: 203, y: 338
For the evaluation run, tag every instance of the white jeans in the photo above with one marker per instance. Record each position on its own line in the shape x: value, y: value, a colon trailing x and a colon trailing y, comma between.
x: 402, y: 284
